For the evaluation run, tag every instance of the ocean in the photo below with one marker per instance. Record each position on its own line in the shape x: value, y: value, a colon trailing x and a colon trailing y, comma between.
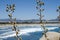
x: 26, y: 33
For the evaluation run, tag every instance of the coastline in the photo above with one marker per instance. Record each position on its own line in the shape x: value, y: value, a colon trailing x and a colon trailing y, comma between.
x: 51, y: 36
x: 54, y: 25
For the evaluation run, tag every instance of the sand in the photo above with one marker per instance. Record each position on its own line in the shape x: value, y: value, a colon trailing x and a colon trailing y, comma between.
x: 51, y: 36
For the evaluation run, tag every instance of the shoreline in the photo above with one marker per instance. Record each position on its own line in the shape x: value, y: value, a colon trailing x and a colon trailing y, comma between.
x: 31, y: 25
x: 51, y: 36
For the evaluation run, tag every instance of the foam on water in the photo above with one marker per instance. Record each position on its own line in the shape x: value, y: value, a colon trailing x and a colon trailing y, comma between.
x: 25, y: 31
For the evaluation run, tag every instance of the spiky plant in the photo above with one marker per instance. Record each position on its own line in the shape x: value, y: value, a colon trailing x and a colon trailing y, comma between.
x: 10, y: 9
x: 39, y: 8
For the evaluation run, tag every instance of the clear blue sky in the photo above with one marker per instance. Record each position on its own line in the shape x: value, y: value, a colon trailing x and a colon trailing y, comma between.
x: 26, y: 9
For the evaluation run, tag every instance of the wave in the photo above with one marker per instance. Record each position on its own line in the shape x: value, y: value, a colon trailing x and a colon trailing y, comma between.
x: 23, y: 32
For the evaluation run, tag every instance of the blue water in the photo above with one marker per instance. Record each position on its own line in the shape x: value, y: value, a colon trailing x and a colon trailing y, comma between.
x: 32, y: 35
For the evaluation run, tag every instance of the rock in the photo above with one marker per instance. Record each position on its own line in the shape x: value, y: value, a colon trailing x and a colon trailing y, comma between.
x: 51, y: 36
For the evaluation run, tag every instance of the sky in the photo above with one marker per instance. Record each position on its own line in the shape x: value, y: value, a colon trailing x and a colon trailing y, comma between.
x: 26, y: 9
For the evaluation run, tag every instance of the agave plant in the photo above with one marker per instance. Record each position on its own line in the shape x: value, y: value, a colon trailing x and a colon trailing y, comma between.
x: 58, y: 10
x: 10, y: 9
x: 39, y: 8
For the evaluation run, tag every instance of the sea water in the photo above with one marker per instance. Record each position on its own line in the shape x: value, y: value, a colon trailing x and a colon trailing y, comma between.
x: 26, y: 32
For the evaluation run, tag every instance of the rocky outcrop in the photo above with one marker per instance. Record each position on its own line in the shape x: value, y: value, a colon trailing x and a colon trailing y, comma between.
x: 51, y: 36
